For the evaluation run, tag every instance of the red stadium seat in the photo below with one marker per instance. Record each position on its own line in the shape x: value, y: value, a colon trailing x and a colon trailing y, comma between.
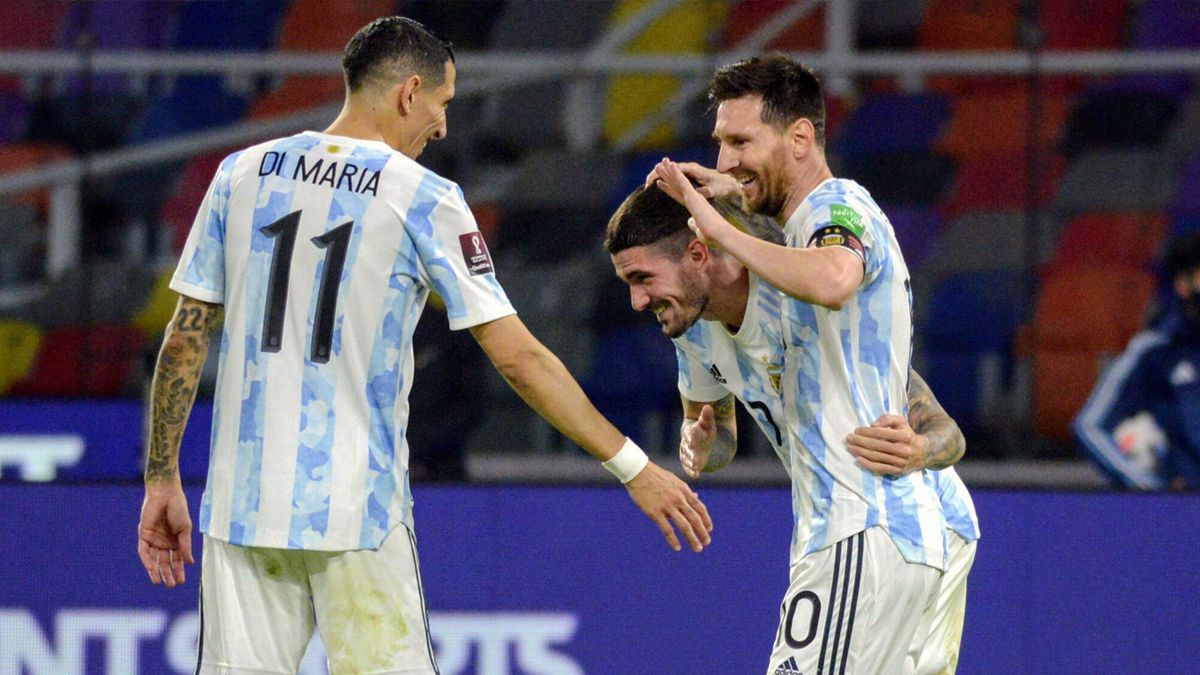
x: 997, y: 123
x: 999, y: 183
x: 1083, y: 317
x: 1120, y: 240
x: 24, y: 156
x: 29, y: 24
x: 84, y: 361
x: 807, y: 34
x: 1064, y: 31
x: 316, y: 26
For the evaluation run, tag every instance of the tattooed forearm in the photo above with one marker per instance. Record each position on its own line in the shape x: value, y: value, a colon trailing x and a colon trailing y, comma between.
x: 928, y: 418
x: 173, y: 390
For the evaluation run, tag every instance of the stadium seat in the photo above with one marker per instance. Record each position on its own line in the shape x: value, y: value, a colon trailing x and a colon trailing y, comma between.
x: 179, y: 209
x: 631, y: 97
x: 969, y: 25
x: 14, y: 116
x: 1115, y: 180
x: 1063, y: 31
x: 467, y: 24
x: 20, y: 258
x: 893, y: 123
x: 154, y: 315
x: 1083, y: 318
x: 888, y: 25
x: 129, y: 24
x: 507, y: 123
x: 1117, y: 120
x: 967, y: 337
x: 29, y: 24
x: 633, y: 377
x: 19, y: 342
x: 1119, y: 240
x: 316, y: 26
x: 1167, y: 24
x: 917, y: 229
x: 975, y: 129
x: 95, y: 360
x: 807, y: 34
x: 1001, y: 182
x: 909, y: 178
x: 25, y: 156
x: 102, y: 292
x: 227, y: 25
x: 1186, y: 200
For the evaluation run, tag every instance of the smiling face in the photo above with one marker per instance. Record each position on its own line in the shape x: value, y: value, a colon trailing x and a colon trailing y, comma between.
x: 672, y: 289
x: 754, y: 152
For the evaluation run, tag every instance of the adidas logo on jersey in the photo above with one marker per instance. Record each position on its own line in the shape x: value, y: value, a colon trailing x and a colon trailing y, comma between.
x: 789, y: 667
x: 716, y: 372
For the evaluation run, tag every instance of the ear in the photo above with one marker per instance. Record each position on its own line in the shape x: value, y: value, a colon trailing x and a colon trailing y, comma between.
x: 407, y: 93
x: 802, y: 136
x: 698, y: 252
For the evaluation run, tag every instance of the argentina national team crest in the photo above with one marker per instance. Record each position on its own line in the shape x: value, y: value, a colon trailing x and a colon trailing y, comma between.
x: 789, y: 667
x: 475, y: 252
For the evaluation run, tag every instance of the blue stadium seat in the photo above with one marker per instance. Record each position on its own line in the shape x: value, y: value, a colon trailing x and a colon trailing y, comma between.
x: 228, y: 25
x: 967, y: 339
x: 893, y: 123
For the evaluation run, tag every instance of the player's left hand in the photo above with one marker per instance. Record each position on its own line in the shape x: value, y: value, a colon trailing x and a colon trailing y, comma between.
x: 665, y: 499
x: 889, y: 446
x: 165, y: 534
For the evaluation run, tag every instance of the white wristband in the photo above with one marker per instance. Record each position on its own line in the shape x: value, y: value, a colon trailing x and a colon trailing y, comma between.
x: 628, y: 462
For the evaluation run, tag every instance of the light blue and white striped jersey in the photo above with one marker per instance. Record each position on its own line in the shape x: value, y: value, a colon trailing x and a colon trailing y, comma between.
x: 843, y: 370
x: 323, y: 250
x: 957, y: 504
x: 714, y: 363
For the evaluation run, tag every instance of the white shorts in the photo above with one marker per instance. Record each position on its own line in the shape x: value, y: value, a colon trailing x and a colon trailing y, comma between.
x: 940, y: 634
x: 853, y: 607
x: 258, y: 608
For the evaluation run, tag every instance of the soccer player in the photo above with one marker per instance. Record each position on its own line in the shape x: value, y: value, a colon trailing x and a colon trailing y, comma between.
x: 725, y: 324
x: 876, y: 542
x: 318, y: 252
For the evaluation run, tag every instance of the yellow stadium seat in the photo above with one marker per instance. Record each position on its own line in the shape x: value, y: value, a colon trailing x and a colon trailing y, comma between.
x: 19, y: 342
x: 686, y: 29
x: 152, y: 318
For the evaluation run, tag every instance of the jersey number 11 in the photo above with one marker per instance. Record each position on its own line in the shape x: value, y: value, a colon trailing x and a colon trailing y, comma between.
x: 335, y: 242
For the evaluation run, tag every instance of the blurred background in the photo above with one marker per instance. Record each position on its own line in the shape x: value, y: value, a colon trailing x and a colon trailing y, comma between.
x: 1034, y: 156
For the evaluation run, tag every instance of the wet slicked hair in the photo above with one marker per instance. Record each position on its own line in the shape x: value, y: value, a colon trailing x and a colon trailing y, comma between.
x: 649, y: 217
x: 789, y: 90
x: 392, y: 47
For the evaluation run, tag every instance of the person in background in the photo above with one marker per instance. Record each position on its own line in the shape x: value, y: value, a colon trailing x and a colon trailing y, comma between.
x: 1141, y: 424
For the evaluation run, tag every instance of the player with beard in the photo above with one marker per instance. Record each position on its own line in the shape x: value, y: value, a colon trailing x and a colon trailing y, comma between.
x: 726, y: 329
x: 868, y: 551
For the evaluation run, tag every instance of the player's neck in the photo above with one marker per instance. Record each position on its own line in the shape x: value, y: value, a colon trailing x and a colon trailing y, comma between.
x: 353, y: 122
x: 727, y: 303
x: 808, y: 176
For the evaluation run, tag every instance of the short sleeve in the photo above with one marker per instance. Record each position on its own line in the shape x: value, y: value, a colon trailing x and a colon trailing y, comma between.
x: 848, y: 227
x: 696, y: 382
x: 201, y: 270
x: 456, y: 263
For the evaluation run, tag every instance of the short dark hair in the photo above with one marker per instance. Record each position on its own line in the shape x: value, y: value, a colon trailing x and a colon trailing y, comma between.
x: 789, y: 90
x: 1182, y: 255
x: 649, y: 217
x: 391, y: 45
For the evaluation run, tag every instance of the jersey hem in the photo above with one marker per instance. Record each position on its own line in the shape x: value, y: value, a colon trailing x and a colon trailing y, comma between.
x: 472, y: 320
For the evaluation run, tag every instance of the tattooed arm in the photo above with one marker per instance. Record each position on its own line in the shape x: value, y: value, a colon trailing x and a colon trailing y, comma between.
x: 708, y: 437
x: 165, y: 530
x: 928, y: 439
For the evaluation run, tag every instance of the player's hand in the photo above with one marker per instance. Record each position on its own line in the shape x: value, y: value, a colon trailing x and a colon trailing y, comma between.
x: 665, y: 499
x: 710, y: 183
x: 696, y: 442
x: 672, y: 180
x: 889, y: 446
x: 708, y: 225
x: 165, y: 534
